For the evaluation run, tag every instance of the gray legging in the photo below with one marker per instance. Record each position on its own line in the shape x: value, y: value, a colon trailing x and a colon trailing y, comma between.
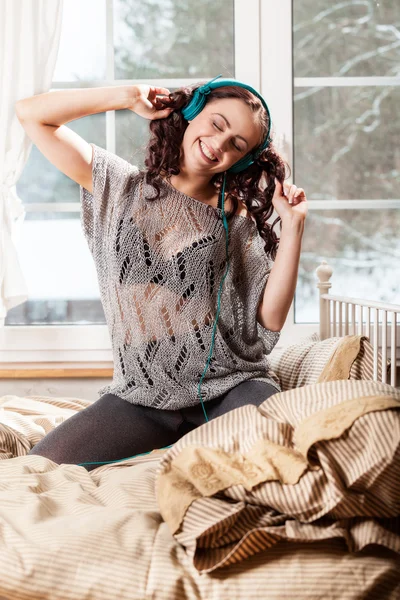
x: 112, y: 428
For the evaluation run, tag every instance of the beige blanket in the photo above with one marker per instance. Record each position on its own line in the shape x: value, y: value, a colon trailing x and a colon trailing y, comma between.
x: 320, y: 461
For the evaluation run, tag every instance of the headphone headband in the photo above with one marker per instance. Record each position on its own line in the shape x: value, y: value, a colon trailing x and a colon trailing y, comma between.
x: 198, y: 102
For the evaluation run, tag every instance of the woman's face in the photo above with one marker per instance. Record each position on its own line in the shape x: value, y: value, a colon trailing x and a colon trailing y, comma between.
x: 226, y: 129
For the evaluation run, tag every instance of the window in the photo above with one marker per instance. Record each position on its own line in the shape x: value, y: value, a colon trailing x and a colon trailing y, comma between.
x: 113, y: 42
x: 337, y: 109
x: 346, y: 131
x: 329, y: 72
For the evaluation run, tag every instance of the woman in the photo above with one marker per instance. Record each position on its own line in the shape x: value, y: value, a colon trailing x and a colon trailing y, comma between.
x: 158, y: 242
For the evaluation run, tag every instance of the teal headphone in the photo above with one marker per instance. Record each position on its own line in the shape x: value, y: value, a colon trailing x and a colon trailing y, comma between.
x: 189, y: 112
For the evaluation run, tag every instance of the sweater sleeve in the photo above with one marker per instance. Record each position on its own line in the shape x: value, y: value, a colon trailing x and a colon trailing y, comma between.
x: 111, y: 176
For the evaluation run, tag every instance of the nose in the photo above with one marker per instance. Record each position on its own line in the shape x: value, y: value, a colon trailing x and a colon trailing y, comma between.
x: 222, y: 142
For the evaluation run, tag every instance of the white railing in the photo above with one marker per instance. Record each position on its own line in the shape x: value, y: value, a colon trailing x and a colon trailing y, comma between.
x: 341, y: 315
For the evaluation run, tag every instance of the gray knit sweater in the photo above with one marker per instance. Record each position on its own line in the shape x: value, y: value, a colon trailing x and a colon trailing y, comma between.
x: 159, y: 266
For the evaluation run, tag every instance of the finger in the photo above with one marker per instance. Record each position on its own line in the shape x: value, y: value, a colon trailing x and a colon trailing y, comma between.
x: 278, y: 186
x: 291, y: 193
x: 287, y: 187
x: 163, y: 91
x: 299, y: 195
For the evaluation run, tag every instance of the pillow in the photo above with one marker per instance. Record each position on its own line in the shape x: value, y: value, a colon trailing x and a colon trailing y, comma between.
x: 363, y: 366
x: 302, y: 363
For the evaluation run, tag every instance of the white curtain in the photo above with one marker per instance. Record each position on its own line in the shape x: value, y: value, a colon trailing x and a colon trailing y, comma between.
x: 30, y: 32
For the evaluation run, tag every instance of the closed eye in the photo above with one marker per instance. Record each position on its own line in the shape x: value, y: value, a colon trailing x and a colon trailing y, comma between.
x: 219, y: 128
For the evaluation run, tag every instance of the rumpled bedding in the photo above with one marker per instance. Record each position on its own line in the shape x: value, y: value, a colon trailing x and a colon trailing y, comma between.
x: 317, y: 462
x: 298, y: 498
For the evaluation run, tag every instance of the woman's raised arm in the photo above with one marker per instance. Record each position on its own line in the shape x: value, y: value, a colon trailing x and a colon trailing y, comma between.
x: 43, y: 117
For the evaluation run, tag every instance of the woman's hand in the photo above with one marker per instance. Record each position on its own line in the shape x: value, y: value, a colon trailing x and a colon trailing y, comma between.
x: 146, y: 103
x: 291, y: 204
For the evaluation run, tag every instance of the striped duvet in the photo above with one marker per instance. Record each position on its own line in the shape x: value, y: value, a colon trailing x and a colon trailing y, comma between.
x: 317, y: 462
x: 66, y: 533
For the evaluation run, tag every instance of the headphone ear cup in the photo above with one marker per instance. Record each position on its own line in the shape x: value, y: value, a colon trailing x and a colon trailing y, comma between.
x: 194, y: 107
x: 241, y: 165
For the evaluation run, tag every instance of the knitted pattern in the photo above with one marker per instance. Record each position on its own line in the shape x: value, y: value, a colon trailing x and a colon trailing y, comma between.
x: 159, y: 266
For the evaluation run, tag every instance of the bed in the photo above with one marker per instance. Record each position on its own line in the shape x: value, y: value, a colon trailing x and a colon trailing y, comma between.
x: 300, y: 500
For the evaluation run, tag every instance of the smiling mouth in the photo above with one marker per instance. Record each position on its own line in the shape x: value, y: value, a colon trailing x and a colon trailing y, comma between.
x: 206, y: 157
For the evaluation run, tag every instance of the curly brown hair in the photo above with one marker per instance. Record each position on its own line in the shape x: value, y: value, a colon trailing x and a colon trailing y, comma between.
x: 164, y: 149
